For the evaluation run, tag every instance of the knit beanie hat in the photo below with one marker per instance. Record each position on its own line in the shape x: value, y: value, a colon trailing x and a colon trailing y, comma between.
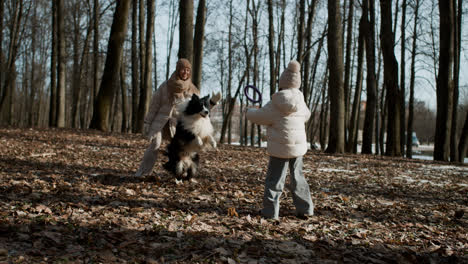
x: 291, y: 76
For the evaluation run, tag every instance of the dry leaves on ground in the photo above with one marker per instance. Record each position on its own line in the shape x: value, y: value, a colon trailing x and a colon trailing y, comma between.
x: 68, y: 196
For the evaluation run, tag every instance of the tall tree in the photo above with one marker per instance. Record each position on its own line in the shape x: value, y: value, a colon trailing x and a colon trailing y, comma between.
x: 95, y: 51
x: 145, y: 88
x: 108, y: 86
x: 354, y: 120
x: 444, y: 88
x: 409, y: 130
x: 271, y: 48
x: 134, y: 55
x: 403, y: 75
x: 336, y: 142
x: 300, y: 31
x: 368, y: 12
x: 457, y: 21
x: 198, y: 44
x: 10, y: 75
x: 463, y: 143
x: 61, y: 57
x: 347, y: 69
x: 390, y: 79
x: 53, y: 73
x: 186, y: 30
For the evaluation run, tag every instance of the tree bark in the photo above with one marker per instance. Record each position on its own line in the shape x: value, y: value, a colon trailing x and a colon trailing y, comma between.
x: 390, y: 80
x: 186, y: 30
x: 198, y: 44
x: 347, y: 69
x: 53, y: 73
x: 456, y: 73
x: 336, y: 142
x: 145, y: 88
x: 108, y: 87
x: 123, y: 87
x: 354, y: 121
x: 61, y: 82
x: 403, y: 77
x: 10, y: 79
x: 135, y: 73
x: 444, y: 88
x: 95, y: 52
x: 300, y: 31
x: 371, y: 83
x: 271, y: 49
x: 409, y: 131
x: 463, y: 145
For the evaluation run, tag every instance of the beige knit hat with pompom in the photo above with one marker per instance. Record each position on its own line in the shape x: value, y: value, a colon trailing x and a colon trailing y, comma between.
x: 291, y: 76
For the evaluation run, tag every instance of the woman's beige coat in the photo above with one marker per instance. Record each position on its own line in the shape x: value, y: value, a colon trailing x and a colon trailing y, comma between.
x: 163, y: 104
x: 285, y: 116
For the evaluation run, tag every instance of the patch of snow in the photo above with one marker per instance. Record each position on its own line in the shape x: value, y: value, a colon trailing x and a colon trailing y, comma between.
x: 334, y: 170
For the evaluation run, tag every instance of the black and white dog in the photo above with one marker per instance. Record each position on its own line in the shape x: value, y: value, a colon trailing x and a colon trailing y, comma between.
x: 193, y: 133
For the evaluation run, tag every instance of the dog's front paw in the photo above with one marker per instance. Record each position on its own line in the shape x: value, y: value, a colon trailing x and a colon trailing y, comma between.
x: 199, y: 141
x: 213, y: 143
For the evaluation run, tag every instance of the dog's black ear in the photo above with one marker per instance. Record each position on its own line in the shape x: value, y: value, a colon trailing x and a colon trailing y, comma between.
x: 195, y: 96
x: 206, y: 98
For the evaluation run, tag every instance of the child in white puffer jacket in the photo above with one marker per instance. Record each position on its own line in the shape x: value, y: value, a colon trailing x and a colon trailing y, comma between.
x: 285, y: 116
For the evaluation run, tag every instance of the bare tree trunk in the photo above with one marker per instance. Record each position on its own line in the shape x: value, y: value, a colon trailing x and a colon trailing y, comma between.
x: 10, y: 79
x: 347, y: 69
x: 463, y: 145
x: 186, y: 30
x: 403, y: 77
x: 76, y: 85
x: 444, y: 83
x: 53, y: 73
x: 33, y: 85
x: 95, y: 89
x: 198, y: 44
x: 2, y: 66
x: 107, y: 90
x: 170, y: 37
x: 456, y: 73
x: 336, y: 141
x: 123, y: 87
x: 142, y: 91
x: 135, y: 83
x: 306, y: 86
x: 230, y: 101
x: 271, y: 49
x: 300, y: 32
x: 409, y: 133
x: 61, y: 82
x: 369, y: 31
x: 354, y: 120
x: 390, y: 80
x: 145, y: 88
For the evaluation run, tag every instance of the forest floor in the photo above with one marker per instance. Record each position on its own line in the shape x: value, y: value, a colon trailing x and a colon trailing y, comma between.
x: 69, y: 196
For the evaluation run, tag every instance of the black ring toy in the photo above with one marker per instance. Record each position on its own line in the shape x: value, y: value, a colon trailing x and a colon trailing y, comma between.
x: 246, y: 92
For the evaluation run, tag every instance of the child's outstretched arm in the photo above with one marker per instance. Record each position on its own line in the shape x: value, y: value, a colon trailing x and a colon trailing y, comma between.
x: 263, y: 116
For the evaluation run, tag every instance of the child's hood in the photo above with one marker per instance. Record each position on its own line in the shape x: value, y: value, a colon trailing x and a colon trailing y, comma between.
x: 288, y: 101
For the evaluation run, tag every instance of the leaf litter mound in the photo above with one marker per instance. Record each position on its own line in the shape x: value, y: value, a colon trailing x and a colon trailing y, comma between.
x: 69, y: 196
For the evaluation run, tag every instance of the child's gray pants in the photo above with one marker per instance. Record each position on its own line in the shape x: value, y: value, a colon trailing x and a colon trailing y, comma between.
x: 274, y: 184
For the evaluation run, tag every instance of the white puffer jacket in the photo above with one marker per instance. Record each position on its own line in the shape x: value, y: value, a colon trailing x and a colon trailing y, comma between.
x: 285, y: 115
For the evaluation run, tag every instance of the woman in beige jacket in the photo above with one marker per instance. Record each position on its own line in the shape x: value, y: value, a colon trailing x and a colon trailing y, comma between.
x: 285, y: 116
x: 160, y: 121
